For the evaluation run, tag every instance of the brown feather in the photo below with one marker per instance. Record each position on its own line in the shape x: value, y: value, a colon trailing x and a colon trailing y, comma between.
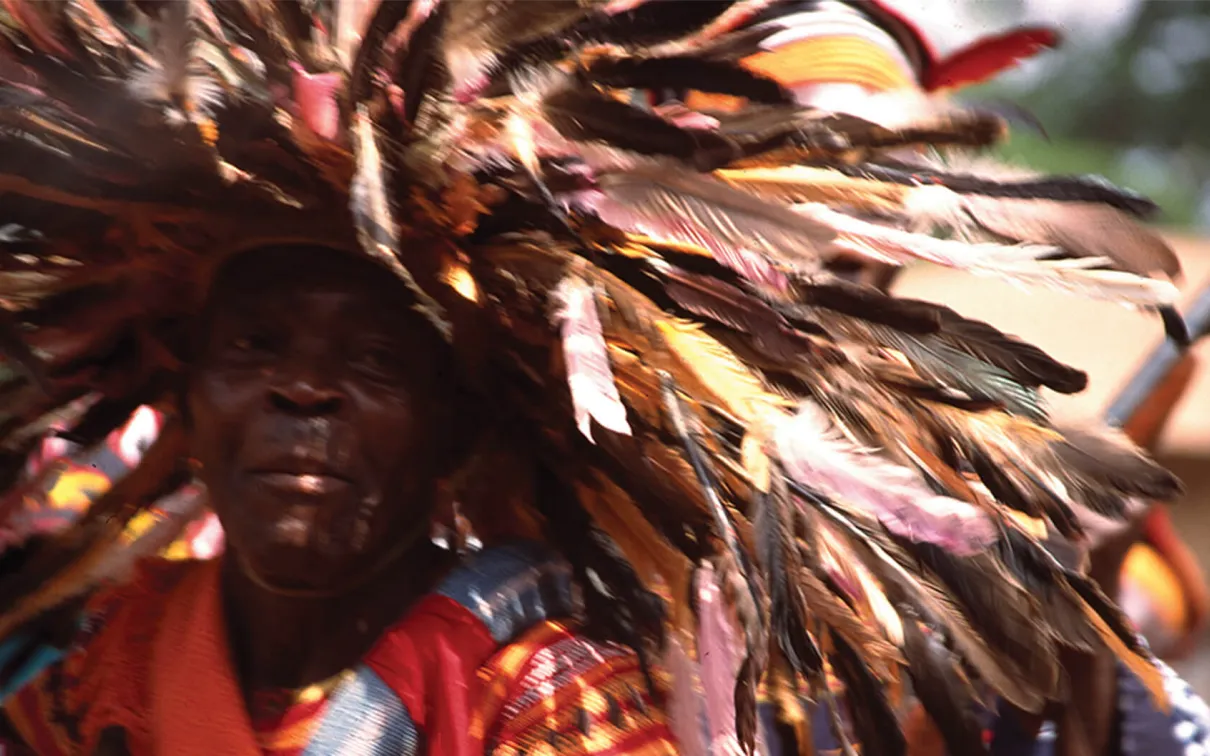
x: 874, y: 721
x: 1083, y: 229
x: 1028, y: 682
x: 882, y: 657
x: 943, y: 691
x: 652, y: 556
x: 723, y: 214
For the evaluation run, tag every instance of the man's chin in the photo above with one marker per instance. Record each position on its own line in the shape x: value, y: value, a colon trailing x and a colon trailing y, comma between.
x: 298, y: 568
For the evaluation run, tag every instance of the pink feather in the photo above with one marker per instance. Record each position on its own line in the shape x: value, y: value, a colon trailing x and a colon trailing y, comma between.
x: 719, y: 662
x: 685, y: 716
x: 315, y: 95
x: 816, y: 455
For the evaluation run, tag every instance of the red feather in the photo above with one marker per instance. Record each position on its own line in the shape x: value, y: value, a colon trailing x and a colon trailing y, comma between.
x: 987, y: 57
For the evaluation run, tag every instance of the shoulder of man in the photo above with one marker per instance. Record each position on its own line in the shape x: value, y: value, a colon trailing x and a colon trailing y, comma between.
x: 494, y: 661
x: 53, y: 676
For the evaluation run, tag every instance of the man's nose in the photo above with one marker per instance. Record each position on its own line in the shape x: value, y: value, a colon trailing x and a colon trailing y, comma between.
x: 306, y: 387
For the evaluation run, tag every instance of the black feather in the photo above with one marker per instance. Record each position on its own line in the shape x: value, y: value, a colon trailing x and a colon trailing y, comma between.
x: 1175, y: 327
x: 103, y: 418
x: 661, y: 501
x: 688, y: 73
x: 588, y: 115
x: 701, y: 265
x: 1107, y: 611
x: 1084, y: 587
x: 904, y: 315
x: 651, y: 23
x: 779, y: 562
x: 771, y: 333
x: 873, y: 719
x: 835, y: 135
x: 420, y: 70
x: 1025, y: 362
x: 1056, y: 507
x: 738, y: 44
x: 387, y: 17
x: 1000, y: 486
x: 630, y: 614
x: 756, y: 631
x: 1027, y: 679
x: 1058, y: 188
x: 1036, y: 571
x: 1006, y: 616
x: 745, y: 704
x: 942, y: 690
x: 19, y: 354
x: 1116, y: 464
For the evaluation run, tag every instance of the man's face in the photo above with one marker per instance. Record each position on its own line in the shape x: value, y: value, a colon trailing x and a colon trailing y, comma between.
x: 319, y: 416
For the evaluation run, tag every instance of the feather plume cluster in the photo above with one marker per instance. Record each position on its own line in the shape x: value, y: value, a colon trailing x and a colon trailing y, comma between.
x: 872, y: 484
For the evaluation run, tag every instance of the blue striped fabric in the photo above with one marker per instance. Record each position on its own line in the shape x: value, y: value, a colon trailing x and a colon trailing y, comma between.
x: 513, y: 587
x: 365, y: 718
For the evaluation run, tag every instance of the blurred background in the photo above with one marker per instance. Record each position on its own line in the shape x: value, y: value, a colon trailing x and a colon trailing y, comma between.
x: 1127, y: 96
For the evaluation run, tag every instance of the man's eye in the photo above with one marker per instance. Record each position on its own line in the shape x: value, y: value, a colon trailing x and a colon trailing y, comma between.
x: 378, y: 359
x: 251, y: 342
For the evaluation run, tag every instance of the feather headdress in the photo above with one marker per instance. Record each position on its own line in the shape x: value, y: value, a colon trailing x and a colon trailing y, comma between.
x: 872, y: 482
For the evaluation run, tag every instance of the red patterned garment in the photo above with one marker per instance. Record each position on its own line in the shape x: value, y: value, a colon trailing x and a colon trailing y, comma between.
x: 484, y: 664
x: 553, y: 693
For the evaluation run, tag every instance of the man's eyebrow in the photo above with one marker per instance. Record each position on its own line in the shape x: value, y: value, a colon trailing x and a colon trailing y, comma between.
x: 239, y: 308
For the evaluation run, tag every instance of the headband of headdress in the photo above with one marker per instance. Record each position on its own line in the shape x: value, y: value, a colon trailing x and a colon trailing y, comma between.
x: 874, y: 480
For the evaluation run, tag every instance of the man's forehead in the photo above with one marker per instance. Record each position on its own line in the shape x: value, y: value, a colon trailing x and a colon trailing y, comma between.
x: 318, y: 288
x: 313, y: 273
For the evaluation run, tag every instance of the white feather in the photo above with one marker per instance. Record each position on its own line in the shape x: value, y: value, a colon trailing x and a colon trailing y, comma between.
x: 594, y: 394
x: 1015, y: 262
x: 887, y: 243
x: 176, y: 75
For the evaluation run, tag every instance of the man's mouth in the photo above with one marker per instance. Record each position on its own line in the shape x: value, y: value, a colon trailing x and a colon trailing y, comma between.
x: 310, y: 484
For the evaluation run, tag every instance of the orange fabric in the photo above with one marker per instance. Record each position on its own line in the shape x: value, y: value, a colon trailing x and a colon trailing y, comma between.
x: 157, y: 668
x: 191, y: 673
x: 65, y: 711
x: 430, y: 660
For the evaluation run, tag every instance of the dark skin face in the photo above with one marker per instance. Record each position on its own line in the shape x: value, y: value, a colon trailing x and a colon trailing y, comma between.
x: 320, y: 412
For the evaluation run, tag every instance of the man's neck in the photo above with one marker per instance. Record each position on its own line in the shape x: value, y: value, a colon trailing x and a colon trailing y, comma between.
x: 281, y: 641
